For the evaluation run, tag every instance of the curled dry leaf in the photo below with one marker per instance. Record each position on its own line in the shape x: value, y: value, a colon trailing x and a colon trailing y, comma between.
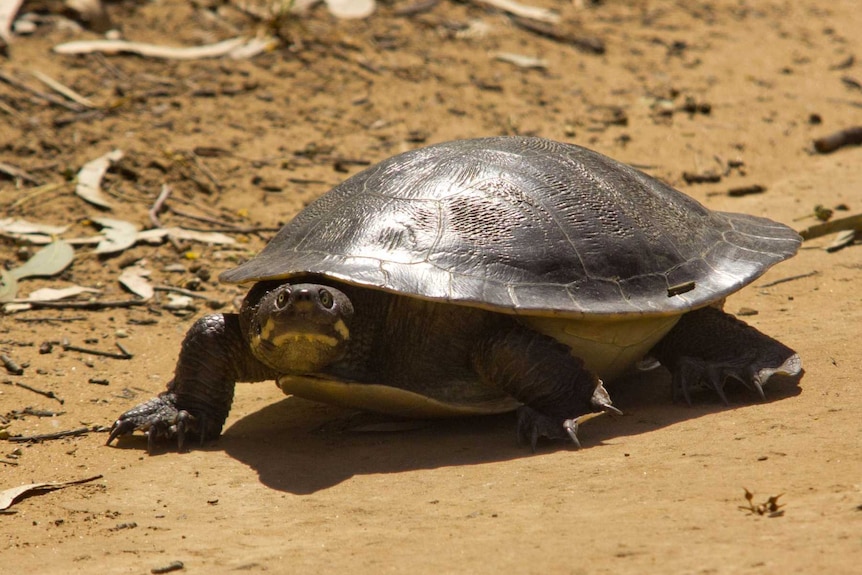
x: 8, y: 10
x: 56, y: 294
x: 134, y: 279
x: 14, y: 227
x: 531, y: 12
x: 8, y: 496
x: 236, y: 48
x: 119, y: 235
x: 90, y: 177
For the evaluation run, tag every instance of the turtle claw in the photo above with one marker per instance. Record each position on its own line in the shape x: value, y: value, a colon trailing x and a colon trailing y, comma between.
x: 533, y: 425
x: 693, y: 373
x: 158, y: 418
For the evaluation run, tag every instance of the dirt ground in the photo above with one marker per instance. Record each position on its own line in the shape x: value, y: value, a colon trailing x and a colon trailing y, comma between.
x: 731, y: 87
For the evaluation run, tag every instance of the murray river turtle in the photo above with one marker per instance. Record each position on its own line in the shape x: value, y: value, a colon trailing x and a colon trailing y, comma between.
x: 480, y: 276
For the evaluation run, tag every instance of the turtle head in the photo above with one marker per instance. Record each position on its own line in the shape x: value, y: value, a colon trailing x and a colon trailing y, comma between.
x: 298, y: 328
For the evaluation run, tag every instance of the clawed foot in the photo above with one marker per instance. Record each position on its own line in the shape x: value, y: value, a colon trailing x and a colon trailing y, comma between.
x: 158, y: 418
x: 693, y: 373
x: 533, y: 425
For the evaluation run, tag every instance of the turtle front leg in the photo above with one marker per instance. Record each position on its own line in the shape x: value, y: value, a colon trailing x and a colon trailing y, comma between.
x: 213, y: 357
x: 708, y: 346
x: 558, y: 393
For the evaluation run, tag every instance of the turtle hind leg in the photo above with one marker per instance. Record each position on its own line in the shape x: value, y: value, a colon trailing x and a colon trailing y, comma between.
x: 707, y: 347
x: 557, y: 392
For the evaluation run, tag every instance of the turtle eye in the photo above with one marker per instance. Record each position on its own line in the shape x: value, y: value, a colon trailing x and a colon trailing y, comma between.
x: 325, y: 298
x: 281, y: 298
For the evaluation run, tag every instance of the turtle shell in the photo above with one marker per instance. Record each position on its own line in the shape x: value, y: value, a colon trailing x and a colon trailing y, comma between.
x: 527, y: 226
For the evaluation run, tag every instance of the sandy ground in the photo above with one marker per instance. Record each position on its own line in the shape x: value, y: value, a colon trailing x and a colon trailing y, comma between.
x: 732, y: 87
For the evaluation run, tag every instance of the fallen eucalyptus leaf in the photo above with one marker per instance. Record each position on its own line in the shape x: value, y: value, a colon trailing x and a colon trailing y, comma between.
x: 56, y: 294
x: 8, y: 286
x: 48, y: 261
x: 236, y: 48
x: 531, y: 12
x: 23, y: 227
x: 8, y: 496
x: 134, y: 279
x: 8, y: 10
x: 90, y: 177
x: 159, y: 234
x: 119, y: 235
x: 178, y: 302
x: 521, y: 61
x: 347, y: 9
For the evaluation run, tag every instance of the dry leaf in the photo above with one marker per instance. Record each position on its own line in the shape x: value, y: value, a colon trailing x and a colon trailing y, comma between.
x: 348, y: 9
x: 159, y: 234
x: 119, y: 235
x: 531, y: 12
x: 56, y: 294
x: 14, y: 227
x: 8, y: 11
x: 90, y: 179
x: 235, y: 48
x: 8, y: 496
x: 521, y: 61
x: 48, y: 261
x: 134, y: 279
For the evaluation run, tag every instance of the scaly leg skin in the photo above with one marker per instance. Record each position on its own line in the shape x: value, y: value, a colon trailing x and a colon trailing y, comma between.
x: 708, y: 346
x: 556, y: 390
x: 213, y: 357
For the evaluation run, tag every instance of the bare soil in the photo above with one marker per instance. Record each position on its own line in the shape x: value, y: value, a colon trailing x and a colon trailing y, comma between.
x: 738, y: 88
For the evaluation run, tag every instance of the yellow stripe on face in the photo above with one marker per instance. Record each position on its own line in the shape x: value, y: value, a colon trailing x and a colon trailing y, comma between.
x: 293, y: 336
x: 342, y: 330
x: 266, y: 329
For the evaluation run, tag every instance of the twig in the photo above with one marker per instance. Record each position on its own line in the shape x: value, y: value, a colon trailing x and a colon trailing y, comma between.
x: 88, y: 305
x: 49, y: 319
x: 830, y: 227
x: 158, y: 205
x: 17, y: 172
x: 790, y: 279
x: 112, y: 355
x: 225, y: 228
x: 185, y: 292
x: 63, y: 90
x: 57, y: 435
x: 12, y: 81
x: 584, y: 43
x: 847, y: 137
x: 48, y: 394
x: 10, y: 365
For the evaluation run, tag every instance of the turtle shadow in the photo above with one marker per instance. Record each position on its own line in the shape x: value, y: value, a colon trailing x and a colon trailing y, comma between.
x: 302, y: 447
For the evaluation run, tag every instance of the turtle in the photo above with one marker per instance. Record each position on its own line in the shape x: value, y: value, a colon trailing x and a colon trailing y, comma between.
x: 483, y: 276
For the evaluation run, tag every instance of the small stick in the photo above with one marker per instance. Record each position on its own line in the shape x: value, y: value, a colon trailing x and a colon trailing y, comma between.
x: 112, y: 355
x: 12, y: 81
x: 55, y: 435
x: 17, y: 172
x: 790, y: 279
x: 158, y: 205
x: 63, y: 90
x: 48, y: 394
x: 172, y: 566
x: 830, y: 227
x: 11, y: 366
x: 839, y: 139
x: 185, y: 292
x: 49, y: 319
x: 88, y: 305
